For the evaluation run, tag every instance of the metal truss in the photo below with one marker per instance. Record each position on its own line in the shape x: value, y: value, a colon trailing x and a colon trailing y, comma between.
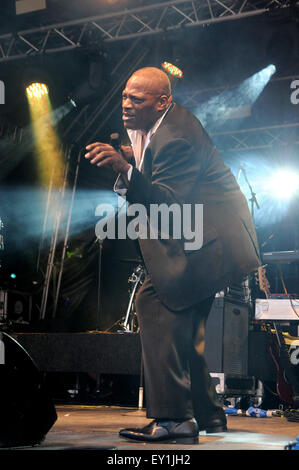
x: 130, y: 23
x: 195, y: 97
x: 257, y: 138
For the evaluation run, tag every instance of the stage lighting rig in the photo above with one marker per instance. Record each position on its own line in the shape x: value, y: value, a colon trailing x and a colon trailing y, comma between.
x: 37, y: 90
x: 172, y: 70
x: 283, y: 184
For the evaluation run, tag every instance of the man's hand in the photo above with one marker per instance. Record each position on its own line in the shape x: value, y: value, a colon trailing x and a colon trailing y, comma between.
x: 127, y: 152
x: 105, y: 155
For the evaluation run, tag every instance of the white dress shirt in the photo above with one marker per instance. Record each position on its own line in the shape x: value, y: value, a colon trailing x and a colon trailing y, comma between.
x: 139, y: 142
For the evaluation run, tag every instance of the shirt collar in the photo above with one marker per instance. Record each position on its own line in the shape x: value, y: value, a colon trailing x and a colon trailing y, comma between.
x: 133, y: 134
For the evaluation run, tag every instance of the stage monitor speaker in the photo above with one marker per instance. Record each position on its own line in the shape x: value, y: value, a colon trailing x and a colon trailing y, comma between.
x: 226, y: 337
x: 26, y: 410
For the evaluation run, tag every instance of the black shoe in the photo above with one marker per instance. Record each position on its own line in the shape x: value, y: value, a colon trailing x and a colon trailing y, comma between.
x: 213, y: 425
x: 177, y: 432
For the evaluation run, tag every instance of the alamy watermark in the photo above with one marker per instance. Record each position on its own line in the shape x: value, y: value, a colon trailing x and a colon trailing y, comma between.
x: 2, y: 92
x: 158, y: 221
x: 295, y: 93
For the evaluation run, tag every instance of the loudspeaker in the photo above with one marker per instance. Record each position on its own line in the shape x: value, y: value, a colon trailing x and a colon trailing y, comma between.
x: 26, y: 410
x: 226, y: 337
x: 15, y: 307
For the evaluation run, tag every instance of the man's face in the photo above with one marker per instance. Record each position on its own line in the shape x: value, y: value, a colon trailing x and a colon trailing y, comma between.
x: 142, y: 104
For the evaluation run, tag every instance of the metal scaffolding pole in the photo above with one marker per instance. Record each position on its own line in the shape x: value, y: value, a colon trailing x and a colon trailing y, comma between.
x: 59, y: 207
x: 66, y: 233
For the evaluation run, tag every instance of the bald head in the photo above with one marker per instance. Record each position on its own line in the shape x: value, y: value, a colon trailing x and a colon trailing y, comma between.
x: 146, y: 97
x: 155, y: 79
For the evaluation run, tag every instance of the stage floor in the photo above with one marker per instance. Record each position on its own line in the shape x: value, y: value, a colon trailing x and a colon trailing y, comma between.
x: 96, y: 428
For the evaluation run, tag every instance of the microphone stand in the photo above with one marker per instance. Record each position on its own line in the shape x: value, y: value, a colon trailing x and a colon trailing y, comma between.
x: 99, y: 283
x: 253, y: 201
x: 100, y: 242
x: 253, y: 198
x: 115, y: 142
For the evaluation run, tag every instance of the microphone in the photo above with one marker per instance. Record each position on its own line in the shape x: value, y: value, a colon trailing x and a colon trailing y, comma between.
x: 115, y: 141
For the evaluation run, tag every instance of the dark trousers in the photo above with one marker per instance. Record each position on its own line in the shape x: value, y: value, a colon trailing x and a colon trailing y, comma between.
x: 177, y: 381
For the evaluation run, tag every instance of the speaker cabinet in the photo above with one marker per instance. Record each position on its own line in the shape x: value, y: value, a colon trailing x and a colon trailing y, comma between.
x: 226, y: 345
x: 27, y: 412
x: 15, y: 307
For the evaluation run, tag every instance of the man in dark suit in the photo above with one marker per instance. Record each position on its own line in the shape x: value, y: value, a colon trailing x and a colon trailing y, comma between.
x: 176, y: 163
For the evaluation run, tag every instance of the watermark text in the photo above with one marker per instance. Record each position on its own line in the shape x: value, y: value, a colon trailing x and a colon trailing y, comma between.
x: 159, y: 221
x: 2, y: 92
x: 295, y: 93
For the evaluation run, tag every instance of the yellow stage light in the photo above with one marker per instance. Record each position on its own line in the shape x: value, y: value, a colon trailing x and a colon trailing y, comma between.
x: 37, y: 90
x: 48, y: 149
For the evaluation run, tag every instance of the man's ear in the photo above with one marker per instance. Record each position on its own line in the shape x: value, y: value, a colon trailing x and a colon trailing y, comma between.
x: 164, y: 102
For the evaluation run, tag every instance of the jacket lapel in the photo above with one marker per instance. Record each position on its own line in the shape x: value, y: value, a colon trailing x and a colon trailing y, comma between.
x: 146, y: 167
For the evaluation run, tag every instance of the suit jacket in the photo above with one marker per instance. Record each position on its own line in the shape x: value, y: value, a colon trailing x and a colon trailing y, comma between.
x: 182, y: 166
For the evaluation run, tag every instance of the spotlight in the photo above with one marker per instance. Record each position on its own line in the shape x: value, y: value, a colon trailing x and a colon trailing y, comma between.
x: 13, y: 276
x: 172, y: 70
x: 271, y: 69
x: 283, y: 184
x: 37, y: 90
x: 46, y: 140
x: 73, y: 103
x: 234, y: 103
